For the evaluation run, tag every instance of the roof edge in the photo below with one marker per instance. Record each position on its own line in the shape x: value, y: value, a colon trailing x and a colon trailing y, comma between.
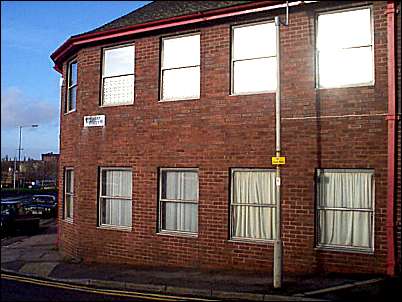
x: 79, y: 40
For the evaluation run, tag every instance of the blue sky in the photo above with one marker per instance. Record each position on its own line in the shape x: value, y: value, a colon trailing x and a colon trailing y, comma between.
x: 30, y: 92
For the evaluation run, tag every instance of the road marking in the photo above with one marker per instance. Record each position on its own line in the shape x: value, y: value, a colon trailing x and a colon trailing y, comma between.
x: 120, y: 293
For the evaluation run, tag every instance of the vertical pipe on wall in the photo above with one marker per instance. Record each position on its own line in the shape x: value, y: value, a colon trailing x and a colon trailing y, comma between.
x: 391, y: 119
x: 278, y: 239
x: 278, y: 245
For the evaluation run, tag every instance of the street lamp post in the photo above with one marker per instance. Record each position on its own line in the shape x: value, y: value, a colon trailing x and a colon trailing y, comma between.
x: 19, y: 151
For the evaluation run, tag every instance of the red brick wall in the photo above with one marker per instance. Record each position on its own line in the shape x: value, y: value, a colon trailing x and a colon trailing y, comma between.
x: 328, y: 128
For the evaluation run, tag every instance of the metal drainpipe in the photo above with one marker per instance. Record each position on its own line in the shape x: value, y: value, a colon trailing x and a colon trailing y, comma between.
x: 391, y: 119
x: 278, y: 262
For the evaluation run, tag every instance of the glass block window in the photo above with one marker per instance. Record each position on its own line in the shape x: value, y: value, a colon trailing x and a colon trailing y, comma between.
x: 118, y: 76
x: 344, y: 48
x: 254, y: 58
x: 180, y: 68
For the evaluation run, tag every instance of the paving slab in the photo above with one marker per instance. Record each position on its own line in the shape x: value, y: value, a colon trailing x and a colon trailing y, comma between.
x: 188, y: 291
x: 51, y: 256
x: 45, y: 239
x: 32, y: 255
x: 42, y: 269
x: 13, y: 266
x: 145, y: 287
x: 9, y: 255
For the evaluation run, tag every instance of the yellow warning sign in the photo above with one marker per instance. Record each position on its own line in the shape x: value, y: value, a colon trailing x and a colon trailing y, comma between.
x: 278, y: 160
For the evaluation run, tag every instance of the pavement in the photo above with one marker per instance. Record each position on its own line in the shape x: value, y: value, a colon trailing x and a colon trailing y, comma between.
x: 38, y: 256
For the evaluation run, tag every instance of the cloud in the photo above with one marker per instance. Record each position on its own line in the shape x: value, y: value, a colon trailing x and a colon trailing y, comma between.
x: 20, y: 109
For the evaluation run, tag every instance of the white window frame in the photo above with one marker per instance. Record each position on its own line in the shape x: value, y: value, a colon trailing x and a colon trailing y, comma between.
x: 232, y: 60
x: 161, y: 200
x: 70, y: 87
x: 68, y: 193
x: 121, y: 75
x: 161, y: 99
x: 344, y: 248
x: 317, y: 70
x: 232, y: 204
x: 101, y: 196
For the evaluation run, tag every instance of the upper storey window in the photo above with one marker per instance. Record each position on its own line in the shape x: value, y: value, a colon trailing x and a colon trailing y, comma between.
x: 71, y: 100
x: 180, y: 68
x: 254, y: 58
x: 118, y: 76
x: 345, y: 49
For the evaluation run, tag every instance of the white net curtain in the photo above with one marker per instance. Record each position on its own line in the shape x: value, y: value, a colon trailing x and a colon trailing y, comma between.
x: 346, y: 208
x: 116, y: 197
x: 180, y: 201
x: 253, y: 205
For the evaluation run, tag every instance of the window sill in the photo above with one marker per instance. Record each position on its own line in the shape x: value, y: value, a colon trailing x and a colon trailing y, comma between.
x: 115, y: 228
x: 178, y: 234
x: 252, y: 241
x: 178, y: 100
x: 344, y: 249
x: 116, y: 105
x: 253, y: 93
x: 370, y: 84
x: 71, y: 111
x: 69, y: 220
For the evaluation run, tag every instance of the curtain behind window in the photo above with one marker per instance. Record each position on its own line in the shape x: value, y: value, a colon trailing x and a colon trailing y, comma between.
x: 180, y: 186
x: 253, y: 198
x: 349, y: 191
x: 116, y: 184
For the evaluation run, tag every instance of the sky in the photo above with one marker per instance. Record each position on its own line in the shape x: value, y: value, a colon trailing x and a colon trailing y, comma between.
x: 30, y: 90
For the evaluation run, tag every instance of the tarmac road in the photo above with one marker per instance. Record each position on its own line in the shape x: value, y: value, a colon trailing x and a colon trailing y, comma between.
x: 17, y: 288
x: 386, y: 290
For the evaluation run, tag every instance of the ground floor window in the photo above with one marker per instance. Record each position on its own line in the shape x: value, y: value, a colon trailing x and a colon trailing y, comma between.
x: 178, y: 200
x: 68, y: 193
x: 253, y: 204
x: 345, y: 208
x: 115, y: 204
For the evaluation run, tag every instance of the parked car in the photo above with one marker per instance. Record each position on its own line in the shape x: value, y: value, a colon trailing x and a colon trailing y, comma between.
x: 44, y: 206
x: 14, y: 217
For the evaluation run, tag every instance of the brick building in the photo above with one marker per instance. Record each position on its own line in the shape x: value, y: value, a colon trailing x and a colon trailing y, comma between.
x: 168, y: 129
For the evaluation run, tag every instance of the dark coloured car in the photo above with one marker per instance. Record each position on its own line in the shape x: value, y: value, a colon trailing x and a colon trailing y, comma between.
x: 15, y: 217
x: 44, y: 206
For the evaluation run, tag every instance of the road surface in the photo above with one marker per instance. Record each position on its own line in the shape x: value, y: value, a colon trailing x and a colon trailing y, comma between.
x: 18, y: 288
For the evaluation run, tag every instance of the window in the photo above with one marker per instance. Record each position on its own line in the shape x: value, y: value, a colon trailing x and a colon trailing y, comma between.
x: 116, y: 198
x: 345, y: 49
x: 180, y: 68
x: 253, y: 204
x: 254, y: 58
x: 71, y: 87
x: 68, y: 193
x: 118, y: 76
x: 345, y: 208
x: 178, y: 196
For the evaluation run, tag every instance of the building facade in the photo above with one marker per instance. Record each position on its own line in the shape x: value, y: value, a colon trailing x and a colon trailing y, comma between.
x: 168, y: 129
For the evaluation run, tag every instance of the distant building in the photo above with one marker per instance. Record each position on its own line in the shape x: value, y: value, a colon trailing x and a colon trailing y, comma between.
x: 41, y: 172
x: 50, y: 157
